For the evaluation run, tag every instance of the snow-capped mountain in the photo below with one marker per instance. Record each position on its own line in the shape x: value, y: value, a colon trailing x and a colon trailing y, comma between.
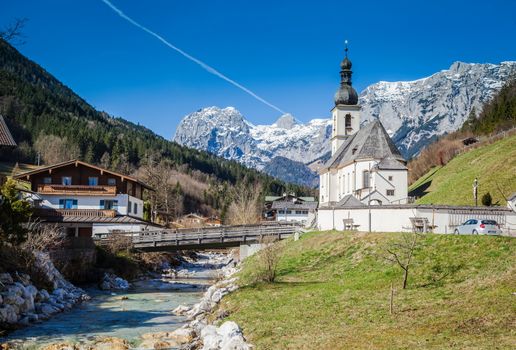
x: 416, y: 112
x: 413, y: 112
x: 225, y: 132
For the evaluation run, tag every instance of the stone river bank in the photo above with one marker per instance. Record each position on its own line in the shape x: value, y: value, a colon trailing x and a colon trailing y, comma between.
x: 140, y: 317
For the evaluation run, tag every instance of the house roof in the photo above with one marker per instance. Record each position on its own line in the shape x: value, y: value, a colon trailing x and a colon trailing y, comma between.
x: 370, y: 142
x: 77, y: 162
x: 294, y: 205
x: 349, y: 201
x: 120, y: 219
x: 275, y: 198
x: 6, y: 139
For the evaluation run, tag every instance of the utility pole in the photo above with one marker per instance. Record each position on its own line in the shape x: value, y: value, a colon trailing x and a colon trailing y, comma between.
x: 475, y: 191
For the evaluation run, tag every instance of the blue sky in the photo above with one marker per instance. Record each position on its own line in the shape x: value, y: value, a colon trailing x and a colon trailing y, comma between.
x: 287, y: 52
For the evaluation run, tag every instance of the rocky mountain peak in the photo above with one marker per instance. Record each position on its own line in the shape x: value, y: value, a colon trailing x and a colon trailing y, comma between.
x: 286, y: 121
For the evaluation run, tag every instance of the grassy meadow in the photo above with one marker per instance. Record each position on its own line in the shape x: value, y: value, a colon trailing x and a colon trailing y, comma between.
x: 494, y: 165
x: 333, y: 292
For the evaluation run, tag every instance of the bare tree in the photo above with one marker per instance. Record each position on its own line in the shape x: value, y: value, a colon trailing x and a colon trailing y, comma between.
x: 13, y: 32
x: 168, y: 197
x: 401, y: 252
x: 42, y: 238
x: 245, y: 207
x: 54, y: 149
x: 269, y: 258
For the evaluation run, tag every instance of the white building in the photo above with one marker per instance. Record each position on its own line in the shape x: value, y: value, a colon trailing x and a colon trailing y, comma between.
x: 365, y: 163
x: 289, y: 208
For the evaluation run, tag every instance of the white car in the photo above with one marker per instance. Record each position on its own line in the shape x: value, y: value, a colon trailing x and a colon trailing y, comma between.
x: 478, y: 226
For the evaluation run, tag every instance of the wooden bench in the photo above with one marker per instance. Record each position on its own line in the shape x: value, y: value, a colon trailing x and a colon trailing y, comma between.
x: 421, y: 224
x: 349, y: 225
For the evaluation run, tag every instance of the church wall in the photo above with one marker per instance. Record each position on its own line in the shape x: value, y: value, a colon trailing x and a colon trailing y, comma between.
x: 399, y: 183
x: 397, y: 218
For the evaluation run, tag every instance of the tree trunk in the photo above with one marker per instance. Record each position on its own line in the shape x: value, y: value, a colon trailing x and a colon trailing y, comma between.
x: 405, y: 278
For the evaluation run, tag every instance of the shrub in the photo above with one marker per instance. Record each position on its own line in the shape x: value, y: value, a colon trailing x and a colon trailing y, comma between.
x: 14, y: 211
x: 487, y: 200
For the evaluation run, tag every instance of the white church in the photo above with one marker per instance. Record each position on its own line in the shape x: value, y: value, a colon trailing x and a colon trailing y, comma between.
x: 365, y: 165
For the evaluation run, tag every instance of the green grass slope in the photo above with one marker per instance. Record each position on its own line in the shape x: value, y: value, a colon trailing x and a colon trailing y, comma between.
x: 333, y: 293
x: 494, y: 165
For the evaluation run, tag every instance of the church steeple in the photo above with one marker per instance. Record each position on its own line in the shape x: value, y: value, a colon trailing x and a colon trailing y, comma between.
x: 346, y: 95
x: 346, y: 113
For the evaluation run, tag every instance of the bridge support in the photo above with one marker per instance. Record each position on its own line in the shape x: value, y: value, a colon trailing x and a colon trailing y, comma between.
x: 248, y: 249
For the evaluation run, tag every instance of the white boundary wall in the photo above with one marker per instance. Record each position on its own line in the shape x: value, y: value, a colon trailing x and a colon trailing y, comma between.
x: 392, y: 218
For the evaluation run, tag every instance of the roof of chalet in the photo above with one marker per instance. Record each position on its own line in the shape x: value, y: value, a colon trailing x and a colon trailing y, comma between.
x: 349, y: 201
x: 77, y: 162
x: 512, y: 196
x: 294, y: 205
x: 370, y: 142
x: 6, y: 139
x: 275, y: 198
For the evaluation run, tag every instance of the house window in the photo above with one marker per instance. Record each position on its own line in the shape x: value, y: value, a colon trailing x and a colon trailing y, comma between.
x: 289, y: 211
x: 366, y: 179
x: 281, y: 212
x: 111, y: 181
x: 68, y: 203
x: 47, y: 180
x: 390, y: 178
x: 66, y: 180
x: 390, y: 192
x: 135, y: 211
x: 129, y: 207
x: 109, y: 204
x: 93, y: 181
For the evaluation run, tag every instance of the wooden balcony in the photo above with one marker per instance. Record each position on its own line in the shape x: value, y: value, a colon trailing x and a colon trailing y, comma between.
x: 77, y: 190
x: 75, y: 212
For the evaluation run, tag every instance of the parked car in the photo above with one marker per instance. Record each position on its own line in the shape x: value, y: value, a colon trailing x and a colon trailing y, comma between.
x: 478, y: 226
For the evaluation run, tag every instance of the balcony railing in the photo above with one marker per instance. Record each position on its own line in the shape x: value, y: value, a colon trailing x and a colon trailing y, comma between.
x: 75, y: 212
x: 77, y: 190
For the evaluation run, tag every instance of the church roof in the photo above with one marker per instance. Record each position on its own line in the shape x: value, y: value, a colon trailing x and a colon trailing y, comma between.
x: 349, y: 201
x: 370, y: 142
x: 390, y: 164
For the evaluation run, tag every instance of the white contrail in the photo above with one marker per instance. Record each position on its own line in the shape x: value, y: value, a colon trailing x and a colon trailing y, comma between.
x: 190, y: 57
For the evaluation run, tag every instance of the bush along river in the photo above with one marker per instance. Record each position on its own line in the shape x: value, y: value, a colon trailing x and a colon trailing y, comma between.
x: 139, y: 317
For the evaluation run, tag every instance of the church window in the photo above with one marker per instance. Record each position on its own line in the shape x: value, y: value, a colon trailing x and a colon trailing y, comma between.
x: 390, y: 178
x: 366, y: 179
x: 353, y: 151
x: 390, y: 192
x: 348, y: 121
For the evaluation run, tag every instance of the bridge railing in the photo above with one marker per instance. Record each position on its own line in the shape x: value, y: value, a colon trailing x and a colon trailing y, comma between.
x: 210, y: 235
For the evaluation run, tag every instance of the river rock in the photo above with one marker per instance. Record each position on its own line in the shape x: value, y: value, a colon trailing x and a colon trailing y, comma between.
x: 181, y: 310
x: 111, y: 343
x: 157, y: 344
x: 6, y: 278
x: 42, y: 295
x: 60, y: 346
x: 9, y: 314
x: 113, y: 282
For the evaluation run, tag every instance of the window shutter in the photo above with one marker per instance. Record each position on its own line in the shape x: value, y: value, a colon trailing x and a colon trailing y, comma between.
x: 102, y: 204
x: 74, y: 204
x: 61, y: 204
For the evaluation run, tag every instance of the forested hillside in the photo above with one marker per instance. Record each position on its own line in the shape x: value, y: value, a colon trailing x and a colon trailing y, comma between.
x: 49, y: 119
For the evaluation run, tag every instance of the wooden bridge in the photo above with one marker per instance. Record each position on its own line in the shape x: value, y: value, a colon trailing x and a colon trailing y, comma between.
x: 201, y: 238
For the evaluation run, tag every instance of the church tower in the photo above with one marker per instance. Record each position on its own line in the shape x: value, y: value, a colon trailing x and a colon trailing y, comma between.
x: 346, y: 113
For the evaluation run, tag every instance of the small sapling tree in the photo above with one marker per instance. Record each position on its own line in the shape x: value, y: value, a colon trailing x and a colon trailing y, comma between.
x: 401, y: 253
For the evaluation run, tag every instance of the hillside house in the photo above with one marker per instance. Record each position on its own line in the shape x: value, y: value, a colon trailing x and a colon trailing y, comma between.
x: 290, y: 208
x: 85, y: 199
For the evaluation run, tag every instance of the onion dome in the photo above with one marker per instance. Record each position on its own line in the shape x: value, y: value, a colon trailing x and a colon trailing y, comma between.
x: 346, y: 94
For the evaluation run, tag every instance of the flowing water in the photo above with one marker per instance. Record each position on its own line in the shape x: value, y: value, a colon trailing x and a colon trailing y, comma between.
x: 144, y: 308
